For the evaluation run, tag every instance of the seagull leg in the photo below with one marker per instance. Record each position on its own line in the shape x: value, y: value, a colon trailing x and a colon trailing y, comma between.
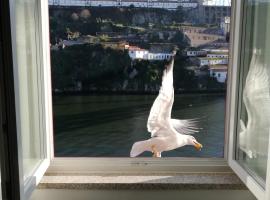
x: 156, y: 154
x: 159, y: 154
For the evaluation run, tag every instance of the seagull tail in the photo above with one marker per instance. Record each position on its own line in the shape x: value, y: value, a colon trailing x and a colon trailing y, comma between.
x: 139, y: 147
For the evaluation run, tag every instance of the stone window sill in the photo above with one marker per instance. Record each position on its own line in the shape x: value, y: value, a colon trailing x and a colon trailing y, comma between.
x: 185, y: 181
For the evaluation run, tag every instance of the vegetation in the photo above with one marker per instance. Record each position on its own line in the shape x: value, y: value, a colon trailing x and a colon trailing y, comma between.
x: 94, y: 67
x: 108, y: 70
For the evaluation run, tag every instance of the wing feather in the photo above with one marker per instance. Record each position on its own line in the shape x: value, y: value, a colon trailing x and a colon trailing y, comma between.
x: 187, y: 126
x: 160, y: 112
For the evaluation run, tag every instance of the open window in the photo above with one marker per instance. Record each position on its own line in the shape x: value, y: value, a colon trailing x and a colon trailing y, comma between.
x: 29, y: 38
x: 250, y: 96
x: 248, y: 119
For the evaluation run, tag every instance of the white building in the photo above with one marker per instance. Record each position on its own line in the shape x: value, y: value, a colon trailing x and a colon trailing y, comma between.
x: 195, y: 53
x: 138, y: 53
x: 159, y: 56
x: 225, y: 25
x: 217, y: 55
x: 217, y: 50
x: 170, y: 4
x: 212, y: 61
x: 144, y: 54
x: 219, y: 72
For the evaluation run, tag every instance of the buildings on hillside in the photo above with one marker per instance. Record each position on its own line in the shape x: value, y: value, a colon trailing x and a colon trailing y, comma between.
x: 170, y: 4
x: 201, y: 12
x: 215, y: 60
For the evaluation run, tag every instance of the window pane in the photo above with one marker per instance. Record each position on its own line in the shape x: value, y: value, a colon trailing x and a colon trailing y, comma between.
x: 28, y: 83
x: 107, y: 64
x: 254, y: 101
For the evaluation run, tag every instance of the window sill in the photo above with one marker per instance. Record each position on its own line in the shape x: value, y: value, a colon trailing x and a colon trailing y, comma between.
x: 184, y: 181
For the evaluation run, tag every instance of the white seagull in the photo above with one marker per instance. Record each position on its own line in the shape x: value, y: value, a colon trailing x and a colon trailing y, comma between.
x: 166, y: 133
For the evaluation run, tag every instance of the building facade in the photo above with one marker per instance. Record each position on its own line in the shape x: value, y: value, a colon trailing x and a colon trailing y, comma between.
x: 215, y: 14
x: 136, y: 53
x: 170, y: 4
x: 219, y: 72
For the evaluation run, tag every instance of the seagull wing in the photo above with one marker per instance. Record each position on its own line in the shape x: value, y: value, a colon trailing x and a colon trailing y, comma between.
x: 160, y: 114
x: 186, y: 126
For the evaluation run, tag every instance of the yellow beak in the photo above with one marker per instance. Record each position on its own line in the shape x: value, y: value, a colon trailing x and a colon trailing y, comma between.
x: 198, y: 146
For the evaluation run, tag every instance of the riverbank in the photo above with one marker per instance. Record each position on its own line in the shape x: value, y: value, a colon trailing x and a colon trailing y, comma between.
x: 105, y: 92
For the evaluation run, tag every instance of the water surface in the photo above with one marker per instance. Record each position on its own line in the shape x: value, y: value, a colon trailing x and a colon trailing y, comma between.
x: 108, y: 125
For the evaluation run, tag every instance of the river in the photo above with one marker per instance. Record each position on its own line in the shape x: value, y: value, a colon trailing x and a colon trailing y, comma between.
x: 108, y: 125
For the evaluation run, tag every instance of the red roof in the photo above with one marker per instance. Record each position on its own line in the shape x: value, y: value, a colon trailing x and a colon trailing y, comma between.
x: 135, y: 48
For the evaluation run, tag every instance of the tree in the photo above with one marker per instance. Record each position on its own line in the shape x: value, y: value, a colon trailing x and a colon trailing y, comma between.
x: 74, y: 16
x: 85, y: 14
x: 180, y: 40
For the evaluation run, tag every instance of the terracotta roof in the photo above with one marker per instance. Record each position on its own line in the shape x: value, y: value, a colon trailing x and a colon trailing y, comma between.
x: 219, y: 67
x: 135, y: 48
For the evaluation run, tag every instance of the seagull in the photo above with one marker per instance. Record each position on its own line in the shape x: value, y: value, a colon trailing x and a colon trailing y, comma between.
x: 166, y: 133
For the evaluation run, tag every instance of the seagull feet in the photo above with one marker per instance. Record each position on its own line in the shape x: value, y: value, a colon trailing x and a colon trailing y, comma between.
x: 156, y: 154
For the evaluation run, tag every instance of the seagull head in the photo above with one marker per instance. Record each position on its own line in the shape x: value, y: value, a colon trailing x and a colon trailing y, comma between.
x: 194, y: 142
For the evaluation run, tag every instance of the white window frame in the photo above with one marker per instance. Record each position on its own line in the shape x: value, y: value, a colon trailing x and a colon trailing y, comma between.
x: 103, y: 165
x: 27, y: 186
x: 88, y: 165
x: 252, y: 184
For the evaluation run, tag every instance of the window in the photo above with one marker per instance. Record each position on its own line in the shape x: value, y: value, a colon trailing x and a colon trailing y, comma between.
x: 249, y: 151
x: 29, y: 45
x: 255, y: 81
x: 102, y: 99
x: 246, y: 159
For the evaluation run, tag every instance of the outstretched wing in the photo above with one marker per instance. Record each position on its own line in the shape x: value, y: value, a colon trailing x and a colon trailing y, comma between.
x: 160, y: 113
x: 186, y: 126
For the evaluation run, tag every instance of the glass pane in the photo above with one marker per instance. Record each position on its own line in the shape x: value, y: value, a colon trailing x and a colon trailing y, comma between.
x: 107, y: 63
x: 254, y: 102
x: 28, y: 84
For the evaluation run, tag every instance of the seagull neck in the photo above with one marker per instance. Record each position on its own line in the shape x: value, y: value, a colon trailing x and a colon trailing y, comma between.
x: 182, y: 139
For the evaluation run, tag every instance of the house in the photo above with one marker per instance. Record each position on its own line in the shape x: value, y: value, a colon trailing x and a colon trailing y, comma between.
x: 225, y: 25
x: 219, y: 72
x: 153, y: 54
x: 135, y: 52
x: 159, y: 56
x: 67, y: 43
x: 195, y: 53
x: 217, y: 55
x: 89, y: 39
x: 198, y: 38
x: 121, y: 45
x: 202, y: 61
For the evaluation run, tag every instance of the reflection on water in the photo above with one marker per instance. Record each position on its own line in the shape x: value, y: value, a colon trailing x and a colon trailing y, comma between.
x: 107, y: 126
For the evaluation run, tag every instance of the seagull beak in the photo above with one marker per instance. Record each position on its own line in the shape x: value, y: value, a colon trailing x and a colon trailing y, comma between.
x: 198, y: 146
